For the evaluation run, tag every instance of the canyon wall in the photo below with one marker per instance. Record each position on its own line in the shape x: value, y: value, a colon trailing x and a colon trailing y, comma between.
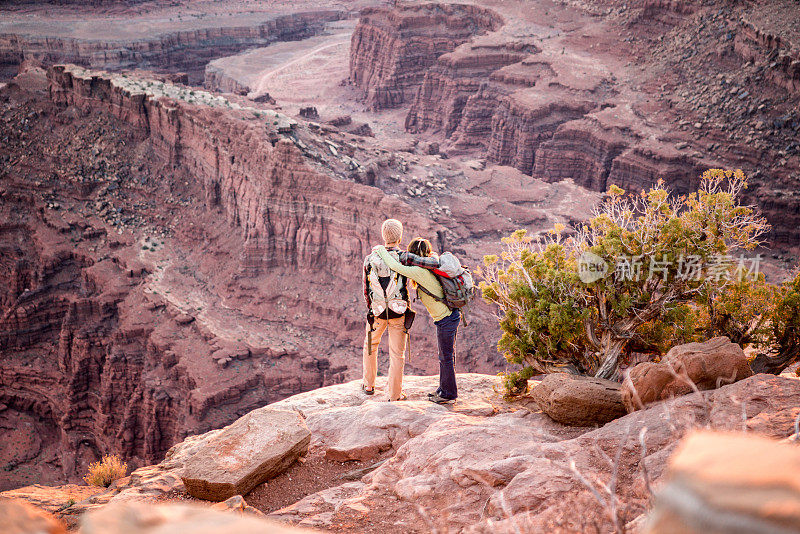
x: 179, y: 51
x: 757, y: 44
x: 107, y: 349
x: 555, y: 104
x: 450, y: 86
x: 216, y: 79
x: 392, y: 48
x: 299, y: 217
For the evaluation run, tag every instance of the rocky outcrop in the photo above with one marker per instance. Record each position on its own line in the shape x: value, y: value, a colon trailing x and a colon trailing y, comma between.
x: 455, y: 77
x: 235, y: 459
x: 178, y: 51
x: 725, y: 482
x: 512, y: 469
x: 392, y: 47
x: 579, y: 400
x: 494, y: 464
x: 522, y: 122
x: 683, y: 369
x: 640, y: 167
x: 583, y: 150
x: 781, y: 56
x: 216, y: 79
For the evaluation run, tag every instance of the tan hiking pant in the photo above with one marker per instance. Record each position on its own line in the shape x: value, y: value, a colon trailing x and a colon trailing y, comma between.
x: 397, y: 355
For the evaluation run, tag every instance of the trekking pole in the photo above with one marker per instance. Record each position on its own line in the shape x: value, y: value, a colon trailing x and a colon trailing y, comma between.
x: 408, y: 345
x: 408, y: 320
x: 370, y: 322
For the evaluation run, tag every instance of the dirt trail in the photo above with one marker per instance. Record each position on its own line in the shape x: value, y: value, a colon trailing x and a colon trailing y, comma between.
x: 261, y: 84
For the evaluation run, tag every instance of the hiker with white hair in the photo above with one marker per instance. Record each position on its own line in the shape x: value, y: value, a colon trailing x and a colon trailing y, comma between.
x: 386, y: 294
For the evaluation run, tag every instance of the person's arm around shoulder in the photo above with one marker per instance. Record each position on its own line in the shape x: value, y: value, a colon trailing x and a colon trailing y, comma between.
x: 414, y: 273
x: 429, y: 262
x: 420, y: 275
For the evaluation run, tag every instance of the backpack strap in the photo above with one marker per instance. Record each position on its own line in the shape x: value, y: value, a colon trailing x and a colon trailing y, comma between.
x: 420, y: 287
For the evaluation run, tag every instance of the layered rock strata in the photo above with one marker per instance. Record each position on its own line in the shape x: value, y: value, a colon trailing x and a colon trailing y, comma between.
x: 179, y: 51
x: 756, y: 44
x: 391, y: 48
x: 259, y: 184
x: 561, y: 104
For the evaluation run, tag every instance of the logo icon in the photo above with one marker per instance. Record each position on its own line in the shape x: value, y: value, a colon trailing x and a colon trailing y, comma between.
x: 591, y: 267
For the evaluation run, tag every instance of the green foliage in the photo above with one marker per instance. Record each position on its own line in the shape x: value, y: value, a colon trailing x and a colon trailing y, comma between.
x: 534, y: 292
x: 743, y: 310
x: 680, y: 324
x: 774, y: 329
x: 786, y: 317
x: 660, y: 258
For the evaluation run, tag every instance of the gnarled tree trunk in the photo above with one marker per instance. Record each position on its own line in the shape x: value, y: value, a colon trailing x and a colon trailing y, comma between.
x: 775, y: 363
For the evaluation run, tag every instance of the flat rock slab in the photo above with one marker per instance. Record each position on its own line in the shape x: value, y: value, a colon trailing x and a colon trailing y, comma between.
x: 55, y: 500
x: 475, y: 392
x: 579, y: 400
x: 250, y: 451
x: 332, y: 413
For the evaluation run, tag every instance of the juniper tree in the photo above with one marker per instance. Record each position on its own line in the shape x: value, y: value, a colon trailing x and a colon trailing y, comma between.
x: 631, y: 276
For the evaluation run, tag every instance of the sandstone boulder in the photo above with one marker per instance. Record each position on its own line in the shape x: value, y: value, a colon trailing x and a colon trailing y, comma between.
x: 708, y: 365
x: 147, y: 518
x: 725, y: 482
x: 579, y: 400
x: 147, y: 482
x: 19, y: 517
x: 253, y: 449
x: 237, y: 504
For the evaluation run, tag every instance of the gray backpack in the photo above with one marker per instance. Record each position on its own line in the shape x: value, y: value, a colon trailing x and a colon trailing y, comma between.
x: 457, y: 283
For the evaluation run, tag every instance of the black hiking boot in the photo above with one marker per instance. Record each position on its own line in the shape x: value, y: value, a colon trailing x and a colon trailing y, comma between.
x: 434, y: 397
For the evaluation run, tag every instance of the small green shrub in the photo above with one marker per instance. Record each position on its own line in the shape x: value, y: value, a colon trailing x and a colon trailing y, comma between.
x: 70, y: 503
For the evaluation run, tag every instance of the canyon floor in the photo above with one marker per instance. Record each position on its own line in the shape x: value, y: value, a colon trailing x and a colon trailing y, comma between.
x: 185, y: 206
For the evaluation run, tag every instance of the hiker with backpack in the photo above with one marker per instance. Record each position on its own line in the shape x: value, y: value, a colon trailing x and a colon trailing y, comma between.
x: 388, y: 308
x: 429, y: 275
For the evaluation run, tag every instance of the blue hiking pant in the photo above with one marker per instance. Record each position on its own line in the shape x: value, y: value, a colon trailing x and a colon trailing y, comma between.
x: 446, y: 330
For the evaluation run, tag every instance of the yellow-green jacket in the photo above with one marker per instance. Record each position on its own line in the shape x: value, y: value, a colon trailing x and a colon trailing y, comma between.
x: 423, y: 277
